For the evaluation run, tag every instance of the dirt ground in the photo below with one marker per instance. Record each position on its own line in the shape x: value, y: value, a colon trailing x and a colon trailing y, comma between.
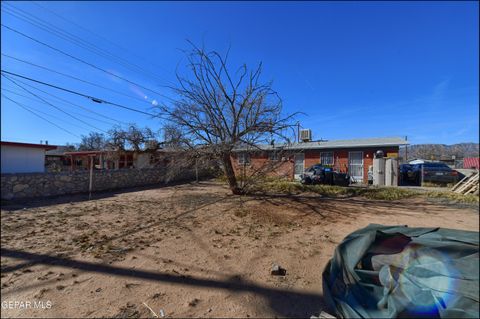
x: 189, y: 250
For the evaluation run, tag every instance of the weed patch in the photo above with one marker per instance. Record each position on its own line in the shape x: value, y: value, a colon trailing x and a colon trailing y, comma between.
x: 451, y: 196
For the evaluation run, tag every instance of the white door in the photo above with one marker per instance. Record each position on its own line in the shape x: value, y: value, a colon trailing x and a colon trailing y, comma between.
x: 299, y: 165
x: 355, y: 166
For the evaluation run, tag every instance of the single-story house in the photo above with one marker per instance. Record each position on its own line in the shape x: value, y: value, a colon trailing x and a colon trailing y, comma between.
x: 55, y: 160
x: 290, y: 160
x: 105, y: 159
x: 23, y: 157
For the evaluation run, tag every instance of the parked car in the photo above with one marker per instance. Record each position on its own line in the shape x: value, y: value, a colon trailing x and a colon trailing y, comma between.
x: 405, y: 173
x: 432, y: 172
x: 319, y: 174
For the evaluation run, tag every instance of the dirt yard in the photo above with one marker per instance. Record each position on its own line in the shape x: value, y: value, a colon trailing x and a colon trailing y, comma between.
x: 186, y: 251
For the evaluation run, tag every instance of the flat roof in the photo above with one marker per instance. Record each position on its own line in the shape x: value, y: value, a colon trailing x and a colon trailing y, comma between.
x: 353, y: 143
x: 107, y: 151
x: 31, y: 145
x: 84, y: 152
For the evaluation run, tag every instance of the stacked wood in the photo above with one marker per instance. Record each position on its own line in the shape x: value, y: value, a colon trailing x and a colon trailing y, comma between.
x: 468, y: 185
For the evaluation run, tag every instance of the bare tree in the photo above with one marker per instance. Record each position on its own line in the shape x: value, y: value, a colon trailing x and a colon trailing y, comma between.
x: 222, y: 110
x: 138, y: 138
x: 93, y: 141
x: 134, y: 137
x: 116, y: 138
x: 173, y: 136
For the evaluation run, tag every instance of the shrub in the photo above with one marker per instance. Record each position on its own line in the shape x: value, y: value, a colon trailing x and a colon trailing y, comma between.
x: 331, y: 190
x: 276, y: 185
x: 459, y: 198
x: 387, y: 193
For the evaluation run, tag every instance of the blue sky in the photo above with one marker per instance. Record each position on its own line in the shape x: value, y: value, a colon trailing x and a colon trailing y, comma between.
x: 357, y: 69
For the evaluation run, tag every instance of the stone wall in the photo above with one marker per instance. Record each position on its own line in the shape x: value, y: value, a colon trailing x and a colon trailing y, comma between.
x: 31, y: 185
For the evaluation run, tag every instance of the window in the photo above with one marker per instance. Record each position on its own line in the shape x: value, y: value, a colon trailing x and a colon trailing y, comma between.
x: 243, y: 158
x: 326, y: 158
x: 273, y: 156
x: 435, y: 165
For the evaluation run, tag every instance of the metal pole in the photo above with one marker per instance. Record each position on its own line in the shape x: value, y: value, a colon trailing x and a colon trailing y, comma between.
x: 91, y: 178
x: 421, y: 180
x: 196, y: 169
x: 406, y: 152
x: 298, y: 132
x: 244, y: 171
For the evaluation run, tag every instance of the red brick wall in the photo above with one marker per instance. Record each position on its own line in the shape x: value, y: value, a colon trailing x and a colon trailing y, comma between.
x: 340, y: 160
x: 312, y: 157
x: 259, y: 161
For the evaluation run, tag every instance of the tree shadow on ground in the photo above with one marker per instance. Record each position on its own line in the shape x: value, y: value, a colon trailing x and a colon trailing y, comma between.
x: 282, y: 302
x: 315, y: 202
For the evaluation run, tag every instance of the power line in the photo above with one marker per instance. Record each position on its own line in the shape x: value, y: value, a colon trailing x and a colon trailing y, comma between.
x: 29, y: 110
x: 96, y: 34
x: 45, y: 113
x: 54, y: 106
x: 71, y: 103
x: 52, y: 29
x: 84, y: 62
x: 73, y: 77
x: 33, y: 99
x: 94, y: 99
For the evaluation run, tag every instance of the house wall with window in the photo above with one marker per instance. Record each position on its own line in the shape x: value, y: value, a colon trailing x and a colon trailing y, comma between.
x: 341, y: 156
x: 338, y: 158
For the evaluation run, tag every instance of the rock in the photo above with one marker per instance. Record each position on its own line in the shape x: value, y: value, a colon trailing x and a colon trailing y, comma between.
x: 7, y: 196
x: 194, y: 302
x: 19, y: 187
x: 66, y: 178
x: 277, y: 270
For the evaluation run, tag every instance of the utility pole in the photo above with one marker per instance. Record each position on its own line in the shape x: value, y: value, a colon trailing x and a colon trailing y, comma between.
x: 196, y: 169
x: 406, y: 152
x: 92, y: 158
x: 298, y: 131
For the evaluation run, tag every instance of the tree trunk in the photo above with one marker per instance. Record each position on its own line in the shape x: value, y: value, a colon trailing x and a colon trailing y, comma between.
x: 230, y: 174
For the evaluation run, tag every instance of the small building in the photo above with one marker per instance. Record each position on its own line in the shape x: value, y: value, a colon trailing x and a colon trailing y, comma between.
x: 290, y: 160
x: 471, y: 162
x: 23, y: 157
x: 106, y: 159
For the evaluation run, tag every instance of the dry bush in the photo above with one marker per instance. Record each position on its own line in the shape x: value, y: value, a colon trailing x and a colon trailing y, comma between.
x: 387, y: 193
x: 454, y: 197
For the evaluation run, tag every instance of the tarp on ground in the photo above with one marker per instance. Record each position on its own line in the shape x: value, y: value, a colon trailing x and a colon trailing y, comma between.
x: 396, y: 271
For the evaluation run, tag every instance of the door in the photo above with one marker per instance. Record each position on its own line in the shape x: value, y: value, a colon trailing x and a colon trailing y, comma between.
x: 355, y: 166
x: 299, y: 165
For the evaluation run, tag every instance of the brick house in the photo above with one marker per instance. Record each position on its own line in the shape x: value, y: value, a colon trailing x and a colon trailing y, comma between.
x: 346, y: 156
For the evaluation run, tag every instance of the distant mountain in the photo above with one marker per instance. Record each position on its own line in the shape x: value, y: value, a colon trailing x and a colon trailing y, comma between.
x: 438, y: 151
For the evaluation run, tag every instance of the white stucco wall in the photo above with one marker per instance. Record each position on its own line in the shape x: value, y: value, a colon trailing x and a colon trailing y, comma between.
x: 20, y: 159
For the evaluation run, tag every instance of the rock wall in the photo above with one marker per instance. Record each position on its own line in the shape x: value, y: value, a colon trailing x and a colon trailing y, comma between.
x: 31, y: 185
